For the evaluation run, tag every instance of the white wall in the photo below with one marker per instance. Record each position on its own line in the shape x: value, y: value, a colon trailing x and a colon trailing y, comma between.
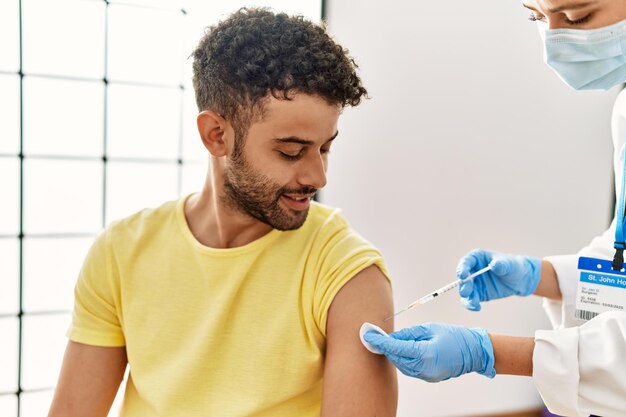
x: 468, y: 141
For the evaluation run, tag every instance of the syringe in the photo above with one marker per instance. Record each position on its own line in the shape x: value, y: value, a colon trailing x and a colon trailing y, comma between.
x: 429, y: 297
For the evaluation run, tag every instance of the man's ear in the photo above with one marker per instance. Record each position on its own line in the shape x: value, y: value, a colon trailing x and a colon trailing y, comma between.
x: 212, y: 128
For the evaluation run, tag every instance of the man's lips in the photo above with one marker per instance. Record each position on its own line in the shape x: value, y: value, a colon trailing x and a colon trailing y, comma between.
x: 299, y: 197
x: 297, y: 202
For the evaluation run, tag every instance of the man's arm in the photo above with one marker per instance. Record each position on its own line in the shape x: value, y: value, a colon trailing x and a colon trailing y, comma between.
x: 357, y: 382
x: 89, y: 380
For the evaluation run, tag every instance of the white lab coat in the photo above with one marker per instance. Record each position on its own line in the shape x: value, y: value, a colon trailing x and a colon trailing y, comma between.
x: 580, y: 367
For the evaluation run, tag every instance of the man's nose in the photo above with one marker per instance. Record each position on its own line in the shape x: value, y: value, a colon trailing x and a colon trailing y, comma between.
x: 314, y: 172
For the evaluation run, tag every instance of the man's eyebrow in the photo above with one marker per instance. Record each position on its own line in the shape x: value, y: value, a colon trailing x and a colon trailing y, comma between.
x: 571, y: 6
x: 300, y: 141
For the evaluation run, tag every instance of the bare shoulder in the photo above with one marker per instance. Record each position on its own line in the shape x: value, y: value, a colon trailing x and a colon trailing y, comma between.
x: 366, y: 297
x: 357, y: 382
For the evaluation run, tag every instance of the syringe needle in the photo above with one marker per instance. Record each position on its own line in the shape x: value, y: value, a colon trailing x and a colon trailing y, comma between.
x: 395, y: 314
x: 429, y: 297
x: 402, y: 311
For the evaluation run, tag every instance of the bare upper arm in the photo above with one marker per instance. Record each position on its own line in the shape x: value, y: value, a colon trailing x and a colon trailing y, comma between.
x: 357, y: 382
x: 89, y: 379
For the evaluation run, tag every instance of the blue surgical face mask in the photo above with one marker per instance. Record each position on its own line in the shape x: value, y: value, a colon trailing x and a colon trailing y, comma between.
x: 587, y: 59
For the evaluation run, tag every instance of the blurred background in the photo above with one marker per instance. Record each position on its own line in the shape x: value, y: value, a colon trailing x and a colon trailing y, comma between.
x: 468, y: 140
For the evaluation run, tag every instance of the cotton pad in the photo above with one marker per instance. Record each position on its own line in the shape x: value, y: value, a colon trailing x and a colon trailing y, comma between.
x: 366, y: 327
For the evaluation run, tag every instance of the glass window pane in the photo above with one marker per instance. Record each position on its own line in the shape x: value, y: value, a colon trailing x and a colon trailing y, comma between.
x: 64, y: 37
x: 193, y: 149
x: 62, y: 196
x: 132, y: 187
x: 9, y: 196
x: 36, y: 404
x: 63, y: 117
x: 10, y: 35
x: 206, y: 13
x: 10, y: 111
x: 8, y: 405
x: 144, y: 122
x: 8, y: 354
x: 163, y: 4
x: 9, y: 277
x: 151, y: 55
x: 50, y: 275
x: 43, y: 345
x: 194, y: 175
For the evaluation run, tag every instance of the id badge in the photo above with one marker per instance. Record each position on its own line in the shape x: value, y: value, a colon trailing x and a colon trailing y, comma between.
x: 600, y: 288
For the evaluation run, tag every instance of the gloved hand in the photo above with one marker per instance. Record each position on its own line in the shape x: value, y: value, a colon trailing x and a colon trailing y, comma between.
x: 510, y: 275
x: 435, y: 352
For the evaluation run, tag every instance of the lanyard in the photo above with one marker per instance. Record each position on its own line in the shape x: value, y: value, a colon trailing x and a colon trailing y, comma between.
x: 620, y: 223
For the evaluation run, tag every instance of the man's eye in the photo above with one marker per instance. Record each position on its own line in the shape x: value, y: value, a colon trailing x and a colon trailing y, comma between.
x: 535, y: 18
x: 290, y: 157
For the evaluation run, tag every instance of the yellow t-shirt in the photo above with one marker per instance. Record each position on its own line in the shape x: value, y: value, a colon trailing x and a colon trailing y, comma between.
x: 217, y: 332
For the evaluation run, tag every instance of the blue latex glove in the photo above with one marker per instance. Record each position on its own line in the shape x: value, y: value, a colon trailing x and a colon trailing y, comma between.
x: 510, y: 275
x: 435, y: 352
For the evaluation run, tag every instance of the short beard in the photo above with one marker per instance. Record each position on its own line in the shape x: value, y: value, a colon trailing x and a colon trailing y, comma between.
x: 257, y: 196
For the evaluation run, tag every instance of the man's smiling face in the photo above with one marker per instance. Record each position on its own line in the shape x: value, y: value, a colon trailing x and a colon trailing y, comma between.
x: 282, y: 160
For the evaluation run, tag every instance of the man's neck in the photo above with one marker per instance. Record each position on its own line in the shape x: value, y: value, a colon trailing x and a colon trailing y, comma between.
x: 214, y: 224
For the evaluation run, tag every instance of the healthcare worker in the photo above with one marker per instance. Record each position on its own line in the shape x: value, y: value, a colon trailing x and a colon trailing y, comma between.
x: 580, y: 367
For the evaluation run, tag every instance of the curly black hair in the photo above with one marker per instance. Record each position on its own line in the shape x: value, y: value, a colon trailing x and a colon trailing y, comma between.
x: 256, y: 52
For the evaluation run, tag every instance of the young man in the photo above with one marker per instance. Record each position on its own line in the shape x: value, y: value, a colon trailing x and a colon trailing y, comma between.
x: 246, y: 298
